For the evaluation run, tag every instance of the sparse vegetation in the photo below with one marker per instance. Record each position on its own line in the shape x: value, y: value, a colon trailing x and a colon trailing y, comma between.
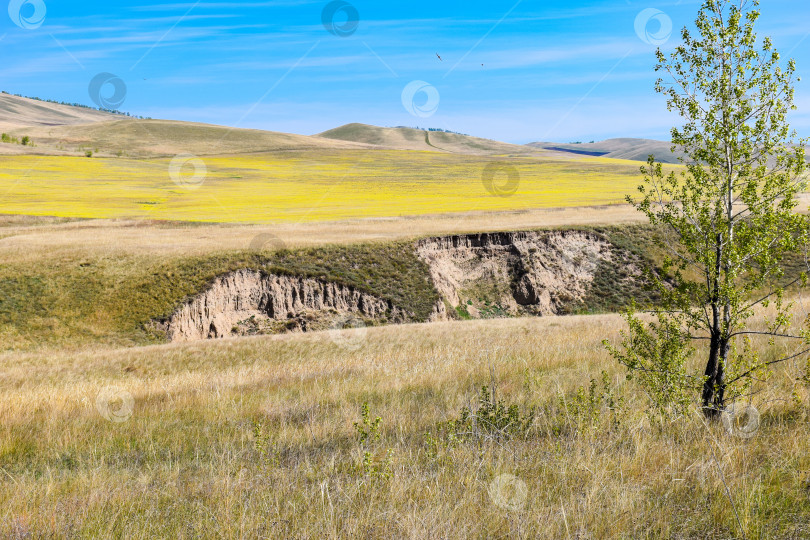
x: 11, y: 139
x: 255, y: 438
x: 431, y: 129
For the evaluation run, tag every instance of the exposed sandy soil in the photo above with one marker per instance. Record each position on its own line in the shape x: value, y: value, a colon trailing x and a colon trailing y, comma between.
x: 478, y: 276
x: 248, y: 301
x: 513, y: 274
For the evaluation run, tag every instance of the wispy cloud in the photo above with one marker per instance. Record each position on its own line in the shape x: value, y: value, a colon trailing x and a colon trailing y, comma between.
x: 213, y: 62
x: 225, y: 5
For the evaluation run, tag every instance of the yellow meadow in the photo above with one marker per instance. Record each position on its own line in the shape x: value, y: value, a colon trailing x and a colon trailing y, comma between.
x: 306, y: 186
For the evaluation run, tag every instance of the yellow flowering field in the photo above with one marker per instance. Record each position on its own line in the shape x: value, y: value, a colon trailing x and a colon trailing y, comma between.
x: 305, y: 186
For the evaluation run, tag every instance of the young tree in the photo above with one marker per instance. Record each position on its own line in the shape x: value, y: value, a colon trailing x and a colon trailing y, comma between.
x: 728, y: 219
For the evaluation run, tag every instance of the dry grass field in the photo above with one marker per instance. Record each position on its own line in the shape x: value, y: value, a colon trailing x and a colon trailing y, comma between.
x: 26, y: 237
x: 256, y: 438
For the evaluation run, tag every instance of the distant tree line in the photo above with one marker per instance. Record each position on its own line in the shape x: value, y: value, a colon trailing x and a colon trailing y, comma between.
x: 438, y: 130
x: 80, y: 105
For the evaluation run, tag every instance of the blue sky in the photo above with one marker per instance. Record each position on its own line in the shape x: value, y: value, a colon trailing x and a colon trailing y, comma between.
x: 514, y: 71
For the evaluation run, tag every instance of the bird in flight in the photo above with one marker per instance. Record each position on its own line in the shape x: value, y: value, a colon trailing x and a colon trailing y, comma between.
x: 440, y: 58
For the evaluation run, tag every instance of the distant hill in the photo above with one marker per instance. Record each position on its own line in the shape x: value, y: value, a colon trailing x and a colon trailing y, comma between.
x: 63, y: 129
x: 403, y: 138
x: 59, y: 129
x: 16, y: 111
x: 626, y: 148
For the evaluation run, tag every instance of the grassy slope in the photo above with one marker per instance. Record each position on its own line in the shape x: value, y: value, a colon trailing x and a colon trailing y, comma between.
x: 254, y: 438
x: 163, y: 138
x: 634, y: 247
x: 74, y: 299
x: 62, y: 129
x: 25, y: 112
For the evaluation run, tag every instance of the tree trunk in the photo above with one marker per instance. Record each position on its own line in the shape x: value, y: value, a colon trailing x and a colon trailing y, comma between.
x: 711, y: 375
x: 714, y: 388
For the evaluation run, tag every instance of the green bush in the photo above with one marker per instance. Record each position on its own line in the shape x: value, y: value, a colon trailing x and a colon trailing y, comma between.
x: 493, y: 419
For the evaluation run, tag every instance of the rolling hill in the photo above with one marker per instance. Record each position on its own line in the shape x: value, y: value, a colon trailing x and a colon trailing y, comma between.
x: 16, y: 112
x: 403, y: 138
x: 624, y: 148
x: 58, y: 129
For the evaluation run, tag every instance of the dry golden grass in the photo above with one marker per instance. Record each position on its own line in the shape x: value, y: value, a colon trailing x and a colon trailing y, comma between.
x: 191, y: 462
x: 30, y: 237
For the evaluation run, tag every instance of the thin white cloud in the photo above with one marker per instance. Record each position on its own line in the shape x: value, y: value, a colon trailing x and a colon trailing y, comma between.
x: 225, y: 5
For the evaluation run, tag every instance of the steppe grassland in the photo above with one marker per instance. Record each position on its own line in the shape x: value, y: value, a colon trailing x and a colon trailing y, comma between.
x: 305, y: 186
x: 255, y: 438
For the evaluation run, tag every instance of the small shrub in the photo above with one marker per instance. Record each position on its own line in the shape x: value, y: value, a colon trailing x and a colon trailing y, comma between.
x: 267, y: 452
x: 588, y: 409
x: 493, y: 419
x: 373, y: 464
x: 368, y: 430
